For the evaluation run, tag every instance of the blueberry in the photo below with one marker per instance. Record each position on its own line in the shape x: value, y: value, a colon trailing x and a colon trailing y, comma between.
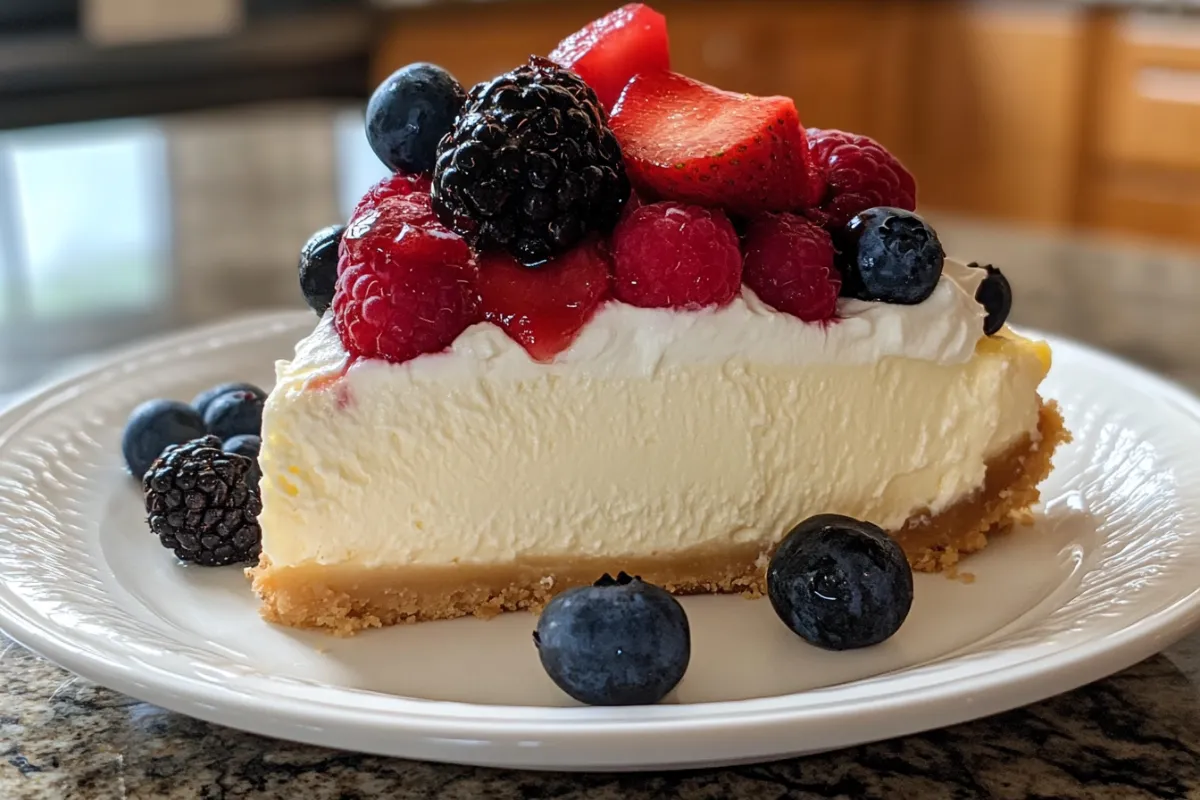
x: 152, y: 427
x: 318, y: 267
x: 891, y: 255
x: 995, y: 295
x: 620, y: 642
x: 234, y: 414
x: 245, y: 444
x: 202, y: 401
x: 409, y: 114
x: 840, y: 583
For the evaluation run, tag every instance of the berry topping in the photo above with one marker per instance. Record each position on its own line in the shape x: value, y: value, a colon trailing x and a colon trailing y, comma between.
x: 318, y: 267
x: 530, y: 166
x: 403, y: 295
x: 409, y: 114
x: 201, y: 401
x: 200, y: 504
x: 620, y: 642
x: 544, y: 309
x: 889, y: 254
x: 684, y: 140
x: 234, y: 413
x: 672, y: 255
x: 153, y: 427
x: 857, y: 173
x: 840, y: 583
x: 790, y: 266
x: 397, y: 184
x: 995, y: 295
x: 607, y: 53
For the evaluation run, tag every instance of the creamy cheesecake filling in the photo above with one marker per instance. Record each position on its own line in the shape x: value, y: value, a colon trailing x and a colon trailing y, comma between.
x: 657, y: 431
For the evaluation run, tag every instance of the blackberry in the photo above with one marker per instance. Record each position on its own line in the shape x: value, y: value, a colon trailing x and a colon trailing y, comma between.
x: 199, y: 503
x: 530, y: 165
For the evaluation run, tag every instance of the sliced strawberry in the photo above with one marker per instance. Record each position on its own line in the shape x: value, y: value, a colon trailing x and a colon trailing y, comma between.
x: 684, y: 140
x: 544, y: 309
x: 607, y: 53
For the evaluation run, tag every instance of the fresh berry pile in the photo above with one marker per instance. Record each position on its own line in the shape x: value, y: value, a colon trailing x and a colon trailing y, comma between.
x: 198, y: 463
x: 599, y: 175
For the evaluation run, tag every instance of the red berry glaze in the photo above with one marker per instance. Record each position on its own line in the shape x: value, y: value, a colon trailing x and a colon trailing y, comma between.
x: 857, y: 173
x: 375, y: 224
x: 544, y: 309
x: 673, y: 255
x: 396, y: 184
x: 789, y: 265
x: 684, y: 140
x: 607, y: 53
x: 402, y: 293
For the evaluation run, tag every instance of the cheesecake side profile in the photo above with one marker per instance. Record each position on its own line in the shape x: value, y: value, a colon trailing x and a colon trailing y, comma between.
x: 648, y: 333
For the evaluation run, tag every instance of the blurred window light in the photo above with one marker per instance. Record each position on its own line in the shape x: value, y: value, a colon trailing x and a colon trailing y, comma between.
x: 358, y: 168
x: 89, y: 205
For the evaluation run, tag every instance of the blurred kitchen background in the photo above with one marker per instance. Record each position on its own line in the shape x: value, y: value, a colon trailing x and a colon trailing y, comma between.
x: 162, y: 161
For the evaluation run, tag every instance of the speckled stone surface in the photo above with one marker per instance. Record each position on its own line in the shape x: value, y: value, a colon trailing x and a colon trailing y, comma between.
x: 1133, y: 735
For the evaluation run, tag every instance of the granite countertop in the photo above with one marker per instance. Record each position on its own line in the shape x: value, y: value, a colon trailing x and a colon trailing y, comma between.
x: 1133, y: 735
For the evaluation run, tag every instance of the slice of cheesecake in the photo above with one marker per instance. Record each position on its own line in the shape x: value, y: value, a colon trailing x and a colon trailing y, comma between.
x: 650, y: 333
x: 680, y: 446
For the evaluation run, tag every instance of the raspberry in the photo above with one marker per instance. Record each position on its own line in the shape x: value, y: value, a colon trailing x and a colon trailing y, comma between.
x: 673, y: 255
x: 858, y: 174
x: 397, y: 184
x: 405, y: 294
x: 378, y: 223
x: 789, y: 265
x: 544, y: 309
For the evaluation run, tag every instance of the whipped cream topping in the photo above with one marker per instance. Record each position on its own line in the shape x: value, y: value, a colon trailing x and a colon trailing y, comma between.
x: 625, y: 340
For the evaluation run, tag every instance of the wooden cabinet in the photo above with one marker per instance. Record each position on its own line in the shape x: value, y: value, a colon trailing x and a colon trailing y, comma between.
x: 479, y: 41
x: 998, y: 95
x: 1061, y: 115
x: 1142, y: 171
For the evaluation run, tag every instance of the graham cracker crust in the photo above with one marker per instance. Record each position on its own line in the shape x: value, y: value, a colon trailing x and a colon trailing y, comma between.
x: 343, y: 600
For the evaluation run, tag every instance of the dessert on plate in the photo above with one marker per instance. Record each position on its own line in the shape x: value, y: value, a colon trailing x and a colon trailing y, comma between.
x: 604, y: 317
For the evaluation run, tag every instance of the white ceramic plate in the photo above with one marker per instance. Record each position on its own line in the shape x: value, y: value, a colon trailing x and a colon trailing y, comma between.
x: 1108, y: 576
